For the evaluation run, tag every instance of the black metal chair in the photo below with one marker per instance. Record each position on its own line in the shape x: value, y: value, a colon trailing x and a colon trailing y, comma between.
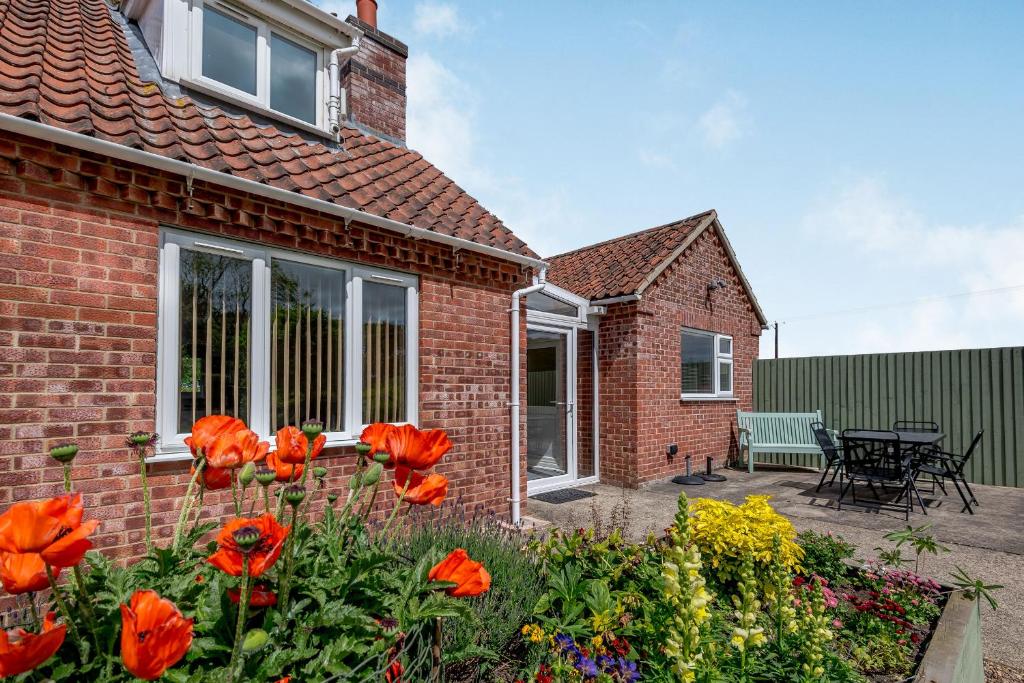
x: 942, y: 465
x: 916, y: 426
x: 876, y: 457
x: 833, y: 454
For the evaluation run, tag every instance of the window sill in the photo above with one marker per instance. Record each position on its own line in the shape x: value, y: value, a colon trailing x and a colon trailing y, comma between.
x: 175, y: 454
x: 700, y: 399
x: 223, y: 94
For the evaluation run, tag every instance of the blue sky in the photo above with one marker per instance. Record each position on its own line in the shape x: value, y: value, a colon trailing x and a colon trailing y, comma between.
x: 858, y: 154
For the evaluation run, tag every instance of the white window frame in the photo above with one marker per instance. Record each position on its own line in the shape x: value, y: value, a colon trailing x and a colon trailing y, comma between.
x: 171, y: 445
x: 261, y: 101
x: 718, y: 359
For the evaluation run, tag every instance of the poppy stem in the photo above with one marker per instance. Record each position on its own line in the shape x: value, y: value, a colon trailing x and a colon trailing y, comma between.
x: 186, y: 504
x: 62, y: 607
x: 367, y: 507
x: 243, y: 607
x: 266, y: 499
x: 289, y: 552
x: 147, y: 504
x: 398, y: 505
x: 67, y: 477
x: 35, y: 611
x: 234, y: 494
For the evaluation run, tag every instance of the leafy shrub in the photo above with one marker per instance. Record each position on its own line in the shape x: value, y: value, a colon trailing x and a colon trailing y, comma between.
x: 487, y: 646
x: 825, y: 555
x: 727, y: 534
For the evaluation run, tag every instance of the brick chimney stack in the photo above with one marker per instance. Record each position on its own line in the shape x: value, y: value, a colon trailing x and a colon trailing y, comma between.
x: 374, y: 78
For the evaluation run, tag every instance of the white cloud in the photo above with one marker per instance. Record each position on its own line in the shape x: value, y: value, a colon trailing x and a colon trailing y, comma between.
x: 880, y: 250
x: 438, y: 19
x: 724, y: 122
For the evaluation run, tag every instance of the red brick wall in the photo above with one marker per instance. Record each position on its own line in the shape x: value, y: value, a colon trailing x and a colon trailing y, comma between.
x: 374, y: 82
x: 634, y: 451
x: 78, y: 298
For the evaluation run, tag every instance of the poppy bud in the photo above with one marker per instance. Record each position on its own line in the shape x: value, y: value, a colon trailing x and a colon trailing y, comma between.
x: 246, y: 537
x: 332, y: 498
x: 256, y: 639
x: 64, y: 453
x: 362, y: 448
x: 356, y: 481
x: 381, y: 457
x: 294, y: 494
x: 319, y: 472
x: 266, y: 476
x: 247, y: 474
x: 372, y: 475
x: 141, y: 439
x: 312, y: 428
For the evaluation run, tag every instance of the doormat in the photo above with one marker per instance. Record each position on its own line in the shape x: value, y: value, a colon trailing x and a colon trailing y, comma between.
x: 563, y: 496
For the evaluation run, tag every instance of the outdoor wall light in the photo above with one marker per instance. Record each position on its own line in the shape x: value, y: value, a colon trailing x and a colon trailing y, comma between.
x: 717, y: 283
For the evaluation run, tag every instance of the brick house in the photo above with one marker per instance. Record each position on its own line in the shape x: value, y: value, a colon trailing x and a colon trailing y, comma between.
x: 208, y: 206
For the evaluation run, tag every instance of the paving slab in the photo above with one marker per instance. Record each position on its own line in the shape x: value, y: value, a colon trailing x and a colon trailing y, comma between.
x: 988, y: 544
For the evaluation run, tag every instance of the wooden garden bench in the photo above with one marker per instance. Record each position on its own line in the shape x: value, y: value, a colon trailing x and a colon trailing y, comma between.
x: 777, y: 433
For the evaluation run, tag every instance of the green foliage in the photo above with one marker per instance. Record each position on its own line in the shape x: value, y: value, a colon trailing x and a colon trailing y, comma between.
x: 918, y: 539
x: 825, y: 555
x: 975, y: 589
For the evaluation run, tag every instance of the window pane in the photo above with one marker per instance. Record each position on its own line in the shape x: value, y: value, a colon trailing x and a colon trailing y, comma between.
x: 538, y: 301
x: 698, y: 359
x: 292, y: 79
x: 307, y: 346
x: 384, y: 353
x: 213, y: 337
x: 229, y: 50
x: 725, y: 345
x: 725, y: 377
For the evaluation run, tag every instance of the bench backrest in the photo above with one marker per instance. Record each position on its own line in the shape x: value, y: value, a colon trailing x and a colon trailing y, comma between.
x: 779, y: 428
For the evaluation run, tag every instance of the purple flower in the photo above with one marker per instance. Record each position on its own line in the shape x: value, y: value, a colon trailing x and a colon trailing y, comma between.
x: 587, y: 667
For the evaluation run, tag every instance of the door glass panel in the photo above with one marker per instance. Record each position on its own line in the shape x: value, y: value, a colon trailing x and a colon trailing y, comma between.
x: 584, y: 407
x: 213, y: 337
x: 307, y: 346
x: 546, y: 452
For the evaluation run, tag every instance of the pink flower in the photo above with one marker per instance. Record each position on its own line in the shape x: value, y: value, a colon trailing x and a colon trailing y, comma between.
x: 836, y: 623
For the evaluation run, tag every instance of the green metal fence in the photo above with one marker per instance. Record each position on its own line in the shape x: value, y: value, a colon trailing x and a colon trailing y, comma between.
x: 963, y: 391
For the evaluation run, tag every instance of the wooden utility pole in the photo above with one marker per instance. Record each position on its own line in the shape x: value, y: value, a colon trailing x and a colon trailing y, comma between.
x: 776, y: 326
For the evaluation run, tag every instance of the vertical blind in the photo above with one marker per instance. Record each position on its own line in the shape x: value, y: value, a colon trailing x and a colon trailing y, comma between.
x: 384, y: 353
x: 214, y: 337
x: 307, y: 345
x: 698, y: 360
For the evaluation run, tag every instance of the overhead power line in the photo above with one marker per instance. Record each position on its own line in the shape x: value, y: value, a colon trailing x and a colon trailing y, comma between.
x: 901, y: 304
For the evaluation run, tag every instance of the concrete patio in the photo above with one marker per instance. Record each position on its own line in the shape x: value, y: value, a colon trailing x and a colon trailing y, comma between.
x: 988, y: 544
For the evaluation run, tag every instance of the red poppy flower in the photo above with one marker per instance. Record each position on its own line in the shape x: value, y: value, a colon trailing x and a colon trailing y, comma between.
x: 49, y: 531
x: 206, y: 430
x: 23, y: 572
x: 377, y: 436
x: 417, y: 449
x: 154, y: 635
x: 471, y: 577
x: 423, y: 489
x: 214, y: 478
x: 21, y: 651
x: 261, y: 596
x: 285, y: 471
x: 394, y: 672
x: 262, y: 555
x: 292, y: 445
x: 232, y: 450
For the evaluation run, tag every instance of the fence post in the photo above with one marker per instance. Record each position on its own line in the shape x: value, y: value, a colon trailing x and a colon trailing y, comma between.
x: 435, y: 652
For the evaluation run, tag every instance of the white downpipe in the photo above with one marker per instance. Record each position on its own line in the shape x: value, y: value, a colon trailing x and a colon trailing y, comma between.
x: 334, y: 72
x: 60, y: 136
x: 513, y: 405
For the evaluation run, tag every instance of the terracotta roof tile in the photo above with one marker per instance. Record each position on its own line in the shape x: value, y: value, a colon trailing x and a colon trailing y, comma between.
x: 67, y: 63
x: 619, y: 266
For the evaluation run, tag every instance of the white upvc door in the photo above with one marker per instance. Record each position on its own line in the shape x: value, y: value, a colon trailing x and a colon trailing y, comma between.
x: 550, y: 408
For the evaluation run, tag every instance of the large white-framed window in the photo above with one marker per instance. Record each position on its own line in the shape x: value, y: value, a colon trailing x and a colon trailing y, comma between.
x: 707, y: 364
x: 276, y: 337
x: 239, y: 55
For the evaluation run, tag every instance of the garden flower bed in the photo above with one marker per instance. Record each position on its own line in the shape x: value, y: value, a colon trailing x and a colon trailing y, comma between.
x: 436, y: 592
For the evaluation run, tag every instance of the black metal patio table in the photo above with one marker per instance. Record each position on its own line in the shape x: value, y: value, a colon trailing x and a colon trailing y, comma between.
x: 884, y: 457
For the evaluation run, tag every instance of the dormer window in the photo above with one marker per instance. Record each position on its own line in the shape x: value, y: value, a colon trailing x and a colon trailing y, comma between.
x: 240, y: 55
